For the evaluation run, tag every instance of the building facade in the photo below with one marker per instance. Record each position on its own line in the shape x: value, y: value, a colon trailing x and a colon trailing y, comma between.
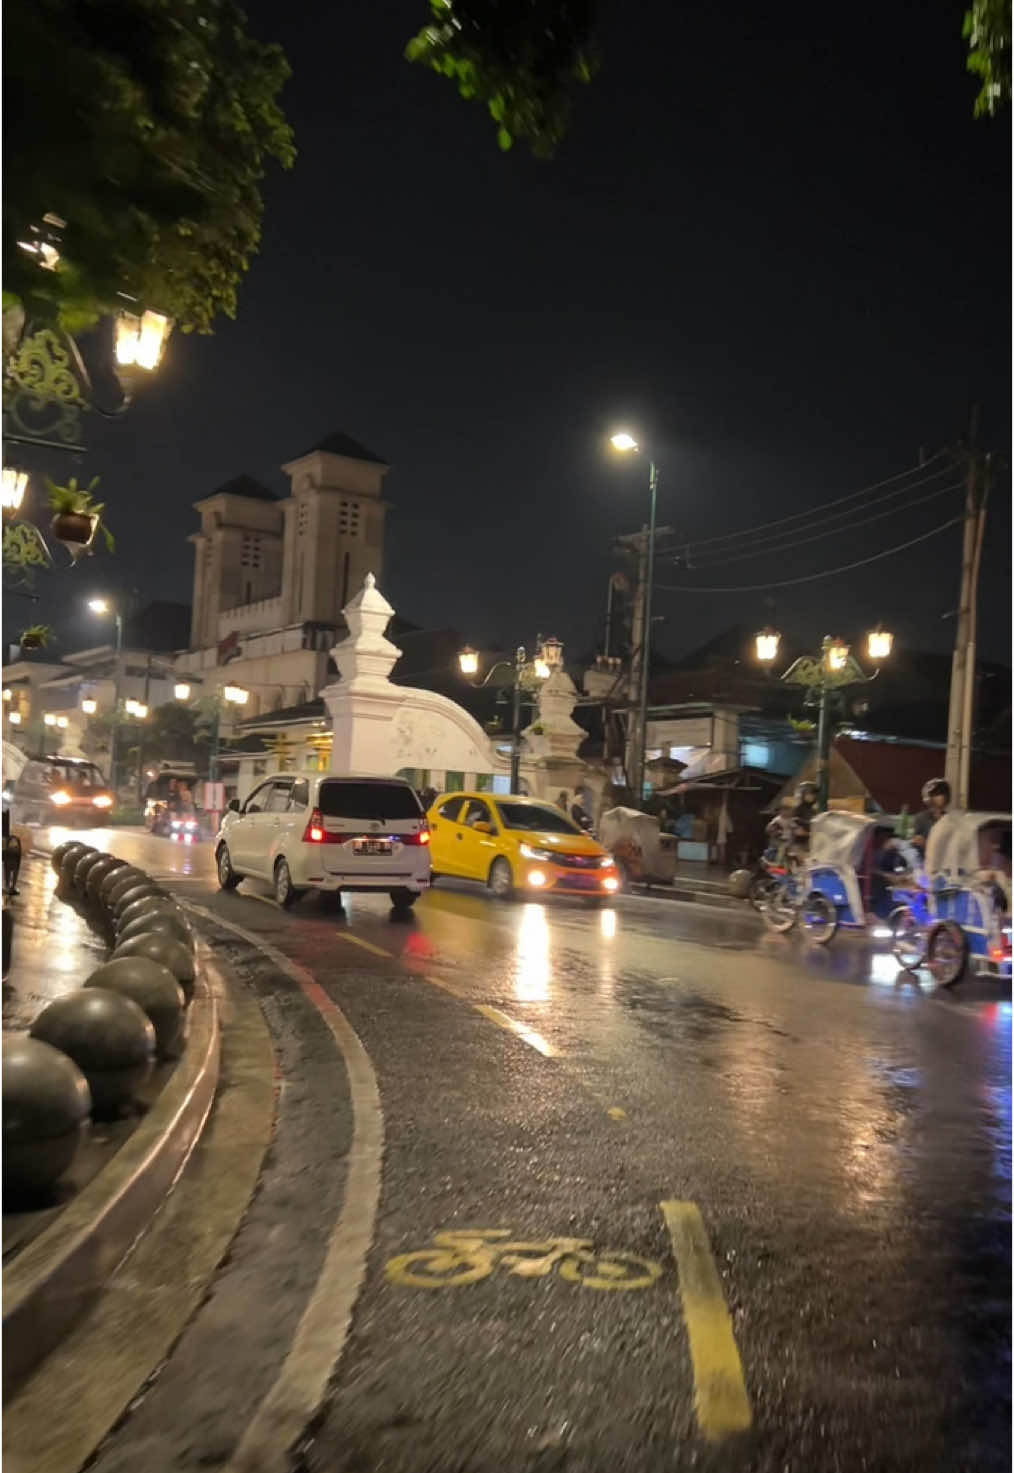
x: 271, y: 576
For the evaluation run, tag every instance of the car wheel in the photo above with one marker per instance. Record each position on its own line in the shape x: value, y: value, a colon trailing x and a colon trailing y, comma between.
x: 403, y: 899
x: 285, y: 892
x: 228, y: 879
x: 501, y: 879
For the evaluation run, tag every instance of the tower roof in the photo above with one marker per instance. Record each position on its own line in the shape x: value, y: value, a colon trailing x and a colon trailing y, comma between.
x: 245, y: 486
x: 339, y: 444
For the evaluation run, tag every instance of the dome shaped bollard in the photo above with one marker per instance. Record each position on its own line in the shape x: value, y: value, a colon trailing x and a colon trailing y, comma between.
x: 161, y: 921
x: 140, y: 891
x: 120, y: 879
x: 83, y: 866
x: 739, y: 883
x: 155, y: 990
x: 108, y: 1037
x: 56, y: 858
x: 98, y: 872
x: 164, y: 948
x: 69, y: 863
x: 46, y: 1102
x: 143, y: 906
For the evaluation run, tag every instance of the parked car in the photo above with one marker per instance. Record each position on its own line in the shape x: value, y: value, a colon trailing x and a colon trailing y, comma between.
x: 327, y: 833
x: 63, y: 790
x: 515, y: 844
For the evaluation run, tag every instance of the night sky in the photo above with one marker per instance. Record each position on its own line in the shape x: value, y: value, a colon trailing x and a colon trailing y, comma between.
x: 775, y: 245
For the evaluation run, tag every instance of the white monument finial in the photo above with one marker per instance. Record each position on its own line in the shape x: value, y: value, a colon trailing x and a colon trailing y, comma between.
x: 366, y: 657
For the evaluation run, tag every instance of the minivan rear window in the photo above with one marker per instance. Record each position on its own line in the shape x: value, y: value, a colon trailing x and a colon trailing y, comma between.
x: 381, y: 801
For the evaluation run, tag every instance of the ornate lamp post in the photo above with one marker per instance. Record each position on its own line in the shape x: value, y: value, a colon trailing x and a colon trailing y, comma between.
x: 102, y: 607
x: 824, y: 676
x: 525, y: 676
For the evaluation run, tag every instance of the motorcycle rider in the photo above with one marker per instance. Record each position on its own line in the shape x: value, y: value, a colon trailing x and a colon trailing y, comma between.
x: 936, y: 795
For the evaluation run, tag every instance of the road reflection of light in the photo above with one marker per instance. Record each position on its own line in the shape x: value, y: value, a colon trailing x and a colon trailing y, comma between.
x: 531, y: 979
x: 607, y: 923
x: 884, y: 968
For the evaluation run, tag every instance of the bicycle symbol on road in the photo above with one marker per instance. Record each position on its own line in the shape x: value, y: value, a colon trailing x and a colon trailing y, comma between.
x: 459, y: 1258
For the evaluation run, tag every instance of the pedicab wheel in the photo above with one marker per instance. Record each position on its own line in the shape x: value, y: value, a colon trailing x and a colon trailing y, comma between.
x: 779, y: 915
x: 761, y: 887
x: 820, y: 918
x: 947, y: 953
x: 908, y: 938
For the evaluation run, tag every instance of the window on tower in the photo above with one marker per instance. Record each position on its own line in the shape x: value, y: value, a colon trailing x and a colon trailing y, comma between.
x: 348, y: 518
x: 251, y: 552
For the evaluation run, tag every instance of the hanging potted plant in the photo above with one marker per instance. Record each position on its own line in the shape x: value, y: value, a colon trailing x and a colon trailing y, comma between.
x: 77, y: 517
x: 36, y: 637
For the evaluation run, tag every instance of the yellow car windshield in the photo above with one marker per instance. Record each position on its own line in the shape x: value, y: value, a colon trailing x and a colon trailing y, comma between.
x: 535, y: 817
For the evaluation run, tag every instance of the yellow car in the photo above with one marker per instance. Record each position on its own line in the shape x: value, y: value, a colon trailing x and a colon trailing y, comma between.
x: 517, y: 845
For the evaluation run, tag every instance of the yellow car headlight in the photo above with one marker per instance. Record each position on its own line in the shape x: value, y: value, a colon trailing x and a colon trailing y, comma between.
x: 60, y: 798
x: 103, y: 801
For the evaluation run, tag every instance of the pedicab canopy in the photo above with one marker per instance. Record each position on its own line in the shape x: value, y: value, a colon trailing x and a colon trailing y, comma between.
x: 839, y: 839
x: 637, y: 839
x: 963, y: 843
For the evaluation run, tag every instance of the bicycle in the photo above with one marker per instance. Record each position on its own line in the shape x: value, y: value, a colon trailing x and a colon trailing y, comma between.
x: 464, y: 1257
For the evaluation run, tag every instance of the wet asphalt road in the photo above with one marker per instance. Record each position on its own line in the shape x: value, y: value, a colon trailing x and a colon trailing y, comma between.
x: 551, y: 1072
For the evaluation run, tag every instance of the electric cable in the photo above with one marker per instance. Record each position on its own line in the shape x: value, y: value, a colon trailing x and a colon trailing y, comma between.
x: 812, y: 577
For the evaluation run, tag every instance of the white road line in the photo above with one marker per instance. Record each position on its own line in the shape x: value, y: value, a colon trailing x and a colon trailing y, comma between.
x: 320, y: 1337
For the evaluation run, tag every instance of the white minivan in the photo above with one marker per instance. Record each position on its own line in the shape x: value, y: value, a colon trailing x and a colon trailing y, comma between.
x: 327, y: 833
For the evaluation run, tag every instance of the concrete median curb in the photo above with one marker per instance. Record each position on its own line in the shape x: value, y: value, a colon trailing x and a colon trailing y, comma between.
x: 53, y: 1281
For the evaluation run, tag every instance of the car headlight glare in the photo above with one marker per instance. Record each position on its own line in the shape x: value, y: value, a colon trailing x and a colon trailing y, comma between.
x: 607, y: 862
x: 60, y: 798
x: 103, y: 801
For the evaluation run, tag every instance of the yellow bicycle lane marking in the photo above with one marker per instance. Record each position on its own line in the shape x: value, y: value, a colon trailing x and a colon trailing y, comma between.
x: 721, y: 1399
x: 463, y: 1256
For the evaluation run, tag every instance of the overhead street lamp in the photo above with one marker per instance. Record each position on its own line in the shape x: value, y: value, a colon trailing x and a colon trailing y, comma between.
x: 103, y: 608
x: 525, y: 675
x: 231, y: 695
x: 824, y: 676
x: 626, y: 444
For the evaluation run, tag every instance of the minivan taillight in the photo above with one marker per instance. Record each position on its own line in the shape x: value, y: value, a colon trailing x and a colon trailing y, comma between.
x: 422, y: 837
x: 315, y: 833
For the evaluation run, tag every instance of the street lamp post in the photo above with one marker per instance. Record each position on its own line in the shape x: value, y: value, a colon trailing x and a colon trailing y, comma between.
x: 626, y: 443
x: 523, y: 673
x: 825, y: 675
x: 102, y: 606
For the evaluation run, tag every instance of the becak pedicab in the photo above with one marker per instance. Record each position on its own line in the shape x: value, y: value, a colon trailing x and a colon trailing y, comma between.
x: 856, y: 876
x: 643, y: 854
x: 968, y: 865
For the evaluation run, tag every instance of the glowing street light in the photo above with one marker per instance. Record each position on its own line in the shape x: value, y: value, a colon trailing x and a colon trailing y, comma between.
x: 181, y: 691
x: 8, y: 693
x: 766, y: 645
x: 89, y: 706
x: 14, y: 718
x: 15, y: 483
x: 878, y: 643
x: 235, y: 695
x: 468, y: 661
x: 140, y: 341
x: 623, y: 442
x: 836, y: 654
x: 49, y: 719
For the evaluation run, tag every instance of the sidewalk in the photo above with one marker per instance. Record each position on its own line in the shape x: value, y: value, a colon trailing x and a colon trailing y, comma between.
x: 700, y: 884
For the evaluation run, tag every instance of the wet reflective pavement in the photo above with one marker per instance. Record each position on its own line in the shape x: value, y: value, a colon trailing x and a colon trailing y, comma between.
x: 836, y: 1134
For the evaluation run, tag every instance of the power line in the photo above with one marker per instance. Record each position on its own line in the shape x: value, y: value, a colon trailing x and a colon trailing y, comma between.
x: 811, y: 577
x: 780, y: 547
x: 825, y: 506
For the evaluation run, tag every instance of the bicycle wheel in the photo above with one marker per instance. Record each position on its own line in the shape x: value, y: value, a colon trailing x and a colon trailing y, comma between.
x: 908, y: 938
x: 820, y: 918
x: 779, y: 913
x: 947, y: 953
x: 610, y: 1270
x: 439, y: 1268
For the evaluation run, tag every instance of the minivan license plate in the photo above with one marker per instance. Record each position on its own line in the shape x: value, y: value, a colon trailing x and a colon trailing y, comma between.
x: 371, y: 846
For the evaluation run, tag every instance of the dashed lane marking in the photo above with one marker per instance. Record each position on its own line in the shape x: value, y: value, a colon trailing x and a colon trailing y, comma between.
x: 720, y: 1399
x: 528, y: 1035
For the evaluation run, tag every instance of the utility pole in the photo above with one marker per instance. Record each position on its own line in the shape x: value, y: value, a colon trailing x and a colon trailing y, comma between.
x: 961, y: 710
x: 642, y: 544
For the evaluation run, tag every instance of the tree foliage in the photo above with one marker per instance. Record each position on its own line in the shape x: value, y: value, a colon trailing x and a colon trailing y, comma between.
x: 987, y: 31
x: 143, y: 128
x: 523, y: 59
